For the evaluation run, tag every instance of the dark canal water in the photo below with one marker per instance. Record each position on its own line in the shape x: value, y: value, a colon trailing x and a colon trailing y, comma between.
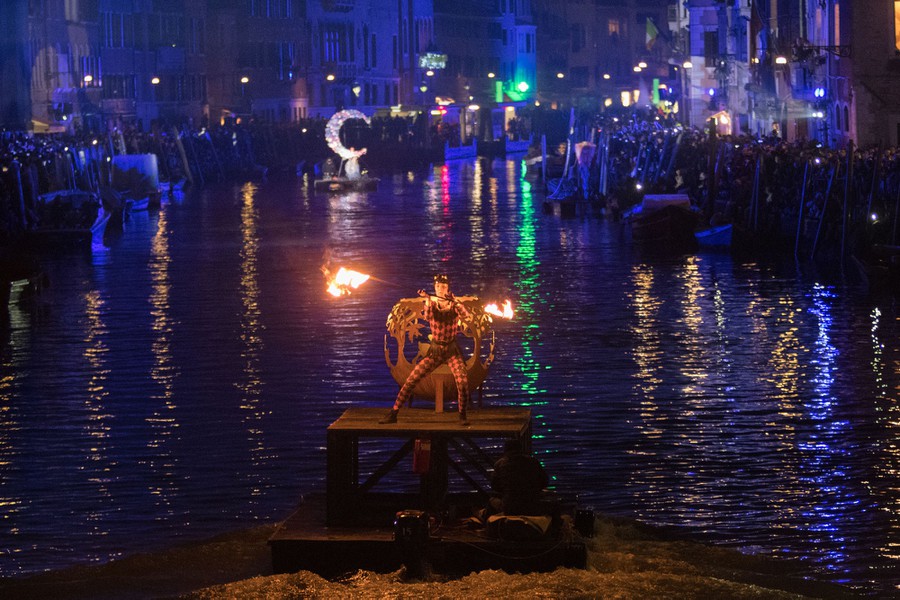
x: 178, y: 383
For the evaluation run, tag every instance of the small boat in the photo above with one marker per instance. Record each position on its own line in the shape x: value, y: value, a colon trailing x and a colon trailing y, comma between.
x: 68, y: 218
x: 136, y: 178
x: 880, y: 267
x: 345, y: 184
x: 517, y: 146
x: 461, y: 151
x: 664, y: 221
x: 562, y: 201
x: 20, y: 278
x: 715, y: 237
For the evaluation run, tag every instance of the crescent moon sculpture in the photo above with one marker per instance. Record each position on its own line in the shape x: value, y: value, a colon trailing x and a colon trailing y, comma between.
x: 333, y: 133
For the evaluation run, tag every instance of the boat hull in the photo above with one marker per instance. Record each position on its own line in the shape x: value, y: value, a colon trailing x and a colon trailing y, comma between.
x: 664, y: 228
x: 68, y: 218
x: 715, y: 237
x: 343, y: 184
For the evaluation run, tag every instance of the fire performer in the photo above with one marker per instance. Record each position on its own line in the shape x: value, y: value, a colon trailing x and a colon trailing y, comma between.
x: 443, y: 313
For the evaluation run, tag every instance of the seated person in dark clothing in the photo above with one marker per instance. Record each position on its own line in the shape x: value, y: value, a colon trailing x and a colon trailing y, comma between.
x: 519, y: 480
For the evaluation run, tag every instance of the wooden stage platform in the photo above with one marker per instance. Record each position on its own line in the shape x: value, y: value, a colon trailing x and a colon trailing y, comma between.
x: 352, y: 527
x: 453, y: 449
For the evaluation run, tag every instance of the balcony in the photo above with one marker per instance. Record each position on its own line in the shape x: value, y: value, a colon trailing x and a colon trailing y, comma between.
x: 338, y: 5
x: 170, y: 59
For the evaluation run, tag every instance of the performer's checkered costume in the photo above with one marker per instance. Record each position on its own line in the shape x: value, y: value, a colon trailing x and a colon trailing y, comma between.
x: 444, y: 329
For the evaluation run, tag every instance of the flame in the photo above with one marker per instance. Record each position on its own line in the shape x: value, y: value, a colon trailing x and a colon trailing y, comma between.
x: 344, y: 281
x: 505, y: 313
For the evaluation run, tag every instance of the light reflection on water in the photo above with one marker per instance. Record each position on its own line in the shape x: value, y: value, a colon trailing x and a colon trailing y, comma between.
x: 179, y: 383
x: 162, y: 421
x: 251, y: 384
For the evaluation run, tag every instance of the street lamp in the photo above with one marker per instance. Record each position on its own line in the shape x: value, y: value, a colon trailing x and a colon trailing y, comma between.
x: 244, y: 81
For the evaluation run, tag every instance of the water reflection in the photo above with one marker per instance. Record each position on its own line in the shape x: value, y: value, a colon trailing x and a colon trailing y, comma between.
x: 251, y: 384
x: 528, y: 293
x: 11, y: 499
x: 162, y: 421
x: 886, y: 446
x: 823, y: 468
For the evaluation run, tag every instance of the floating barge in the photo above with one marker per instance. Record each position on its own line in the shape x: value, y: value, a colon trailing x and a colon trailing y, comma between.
x: 345, y: 184
x: 355, y: 525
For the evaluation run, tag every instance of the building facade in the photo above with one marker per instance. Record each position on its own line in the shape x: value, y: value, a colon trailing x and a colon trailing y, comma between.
x: 490, y: 50
x: 65, y: 78
x: 364, y: 54
x: 602, y: 53
x: 257, y: 58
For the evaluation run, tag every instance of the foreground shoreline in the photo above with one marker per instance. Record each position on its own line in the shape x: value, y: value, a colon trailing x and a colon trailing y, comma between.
x: 625, y: 560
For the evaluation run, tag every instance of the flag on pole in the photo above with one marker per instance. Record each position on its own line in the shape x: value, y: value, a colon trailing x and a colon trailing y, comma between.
x: 652, y: 33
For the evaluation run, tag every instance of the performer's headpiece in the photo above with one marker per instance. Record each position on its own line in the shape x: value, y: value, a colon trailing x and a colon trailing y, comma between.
x: 442, y: 278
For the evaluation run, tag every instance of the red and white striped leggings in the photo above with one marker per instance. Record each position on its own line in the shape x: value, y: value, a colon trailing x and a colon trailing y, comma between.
x: 427, y: 365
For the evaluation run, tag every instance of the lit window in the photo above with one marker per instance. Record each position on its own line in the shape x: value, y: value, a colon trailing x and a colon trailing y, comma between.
x: 613, y: 26
x: 897, y: 25
x: 837, y: 24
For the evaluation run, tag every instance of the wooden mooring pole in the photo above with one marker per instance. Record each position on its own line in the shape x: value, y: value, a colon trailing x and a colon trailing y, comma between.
x: 800, y: 211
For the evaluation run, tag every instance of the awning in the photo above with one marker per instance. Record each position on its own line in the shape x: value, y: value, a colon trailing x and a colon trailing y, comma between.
x: 41, y: 127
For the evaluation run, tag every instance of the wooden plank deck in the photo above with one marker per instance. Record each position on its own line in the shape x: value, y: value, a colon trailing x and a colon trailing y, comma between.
x: 491, y: 422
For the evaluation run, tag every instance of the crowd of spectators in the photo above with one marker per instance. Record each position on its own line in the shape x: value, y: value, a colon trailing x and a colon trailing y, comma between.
x: 761, y: 183
x: 771, y: 188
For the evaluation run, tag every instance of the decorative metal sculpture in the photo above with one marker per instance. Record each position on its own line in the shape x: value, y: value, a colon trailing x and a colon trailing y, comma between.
x: 404, y: 325
x: 333, y: 133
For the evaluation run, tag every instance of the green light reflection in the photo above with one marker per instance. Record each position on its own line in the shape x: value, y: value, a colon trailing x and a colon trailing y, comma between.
x: 527, y: 287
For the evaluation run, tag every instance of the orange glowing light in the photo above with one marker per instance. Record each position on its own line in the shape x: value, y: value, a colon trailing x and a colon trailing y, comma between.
x: 504, y: 313
x: 344, y: 281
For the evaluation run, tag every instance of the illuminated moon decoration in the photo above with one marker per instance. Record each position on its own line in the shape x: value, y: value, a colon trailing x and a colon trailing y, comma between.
x: 405, y: 323
x: 333, y: 133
